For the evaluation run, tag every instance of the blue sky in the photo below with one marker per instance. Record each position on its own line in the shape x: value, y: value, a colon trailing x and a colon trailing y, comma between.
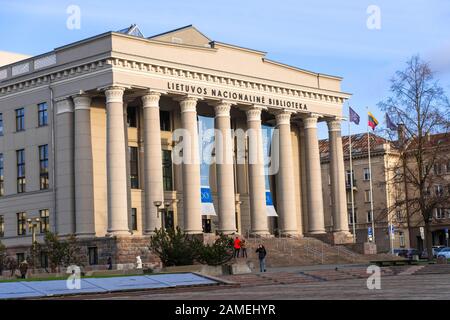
x: 320, y: 35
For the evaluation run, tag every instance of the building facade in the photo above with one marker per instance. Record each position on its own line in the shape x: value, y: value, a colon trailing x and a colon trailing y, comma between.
x: 89, y: 141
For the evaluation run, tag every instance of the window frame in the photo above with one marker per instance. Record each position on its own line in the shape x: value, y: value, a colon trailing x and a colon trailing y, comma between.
x: 21, y: 218
x: 44, y: 182
x: 167, y: 169
x: 44, y: 220
x: 21, y: 179
x: 42, y: 114
x: 134, y: 167
x: 20, y: 119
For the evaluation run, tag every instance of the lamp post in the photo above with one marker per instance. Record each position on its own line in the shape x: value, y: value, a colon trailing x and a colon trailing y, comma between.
x: 32, y: 225
x: 163, y: 210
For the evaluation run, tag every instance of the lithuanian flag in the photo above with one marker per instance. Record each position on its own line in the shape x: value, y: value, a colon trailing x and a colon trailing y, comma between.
x: 373, y: 122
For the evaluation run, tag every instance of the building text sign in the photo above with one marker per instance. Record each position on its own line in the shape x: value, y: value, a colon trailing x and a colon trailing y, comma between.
x: 234, y: 95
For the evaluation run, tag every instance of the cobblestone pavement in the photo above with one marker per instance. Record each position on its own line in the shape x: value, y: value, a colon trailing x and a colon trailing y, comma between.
x: 350, y: 284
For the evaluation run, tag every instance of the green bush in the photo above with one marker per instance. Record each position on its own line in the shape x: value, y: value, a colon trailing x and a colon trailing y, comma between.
x: 220, y: 252
x: 175, y: 248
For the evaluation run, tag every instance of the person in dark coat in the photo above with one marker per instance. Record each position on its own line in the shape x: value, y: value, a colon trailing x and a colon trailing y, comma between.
x: 110, y: 263
x: 23, y: 268
x: 261, y: 251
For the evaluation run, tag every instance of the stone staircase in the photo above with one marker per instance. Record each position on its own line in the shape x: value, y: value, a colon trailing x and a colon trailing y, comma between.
x: 282, y: 252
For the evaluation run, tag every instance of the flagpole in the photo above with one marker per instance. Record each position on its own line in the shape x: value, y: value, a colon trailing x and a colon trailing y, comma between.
x: 351, y: 179
x: 370, y: 181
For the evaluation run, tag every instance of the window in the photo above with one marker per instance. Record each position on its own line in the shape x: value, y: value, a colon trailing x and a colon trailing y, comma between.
x: 169, y: 221
x: 2, y: 177
x: 437, y: 169
x: 44, y: 260
x: 366, y: 174
x: 20, y: 170
x: 134, y: 169
x: 164, y: 120
x: 93, y: 256
x: 132, y: 117
x: 43, y: 166
x: 21, y: 223
x: 20, y: 119
x: 367, y: 196
x: 440, y: 213
x: 1, y: 124
x: 42, y: 114
x: 44, y: 221
x: 401, y: 237
x: 348, y: 177
x: 167, y: 170
x: 399, y: 216
x: 350, y: 217
x: 369, y: 216
x: 2, y: 226
x: 438, y: 190
x: 20, y: 257
x: 133, y: 219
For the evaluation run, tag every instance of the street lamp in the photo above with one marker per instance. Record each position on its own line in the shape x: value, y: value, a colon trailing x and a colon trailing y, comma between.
x: 32, y: 225
x: 163, y: 210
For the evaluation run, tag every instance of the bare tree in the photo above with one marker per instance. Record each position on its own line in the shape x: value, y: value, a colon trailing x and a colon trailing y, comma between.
x: 421, y: 108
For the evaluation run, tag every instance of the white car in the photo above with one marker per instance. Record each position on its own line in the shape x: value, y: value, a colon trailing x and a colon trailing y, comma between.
x: 444, y: 253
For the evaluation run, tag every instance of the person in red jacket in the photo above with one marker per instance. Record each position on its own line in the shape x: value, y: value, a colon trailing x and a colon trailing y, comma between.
x: 237, y: 247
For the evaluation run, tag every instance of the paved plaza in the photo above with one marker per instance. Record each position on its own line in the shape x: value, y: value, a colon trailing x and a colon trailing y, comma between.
x: 349, y: 283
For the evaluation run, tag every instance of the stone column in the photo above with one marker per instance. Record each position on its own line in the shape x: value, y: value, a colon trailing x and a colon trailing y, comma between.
x: 313, y: 177
x: 84, y: 181
x: 191, y: 167
x: 257, y: 192
x: 64, y: 157
x: 337, y: 175
x: 285, y: 185
x: 225, y: 172
x: 152, y: 161
x: 116, y: 159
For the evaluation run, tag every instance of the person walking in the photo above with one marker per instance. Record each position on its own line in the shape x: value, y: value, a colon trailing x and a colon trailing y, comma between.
x: 261, y: 251
x: 23, y: 268
x: 237, y: 247
x: 243, y: 248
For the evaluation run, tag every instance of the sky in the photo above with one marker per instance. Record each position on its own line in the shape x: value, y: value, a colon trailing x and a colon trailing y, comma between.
x: 364, y: 42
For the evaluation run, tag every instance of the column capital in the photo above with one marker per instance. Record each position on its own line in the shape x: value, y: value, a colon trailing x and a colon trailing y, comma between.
x: 114, y: 94
x: 82, y: 102
x: 222, y: 109
x: 283, y: 117
x: 254, y: 113
x: 63, y: 105
x: 188, y: 104
x: 334, y: 124
x: 151, y: 99
x: 311, y: 121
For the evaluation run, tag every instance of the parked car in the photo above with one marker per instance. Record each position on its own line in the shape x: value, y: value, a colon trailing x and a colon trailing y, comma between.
x: 444, y: 253
x: 407, y: 253
x: 436, y: 250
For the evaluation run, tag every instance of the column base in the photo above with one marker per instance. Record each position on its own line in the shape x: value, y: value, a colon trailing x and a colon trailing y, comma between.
x: 118, y: 233
x: 261, y: 234
x: 312, y: 232
x: 291, y: 234
x: 228, y: 232
x: 193, y: 231
x: 341, y: 237
x: 83, y: 235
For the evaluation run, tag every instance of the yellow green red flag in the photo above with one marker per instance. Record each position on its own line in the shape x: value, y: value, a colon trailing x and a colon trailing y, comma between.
x: 373, y: 122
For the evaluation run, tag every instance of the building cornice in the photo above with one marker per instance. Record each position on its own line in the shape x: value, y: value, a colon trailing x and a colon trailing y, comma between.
x: 175, y: 73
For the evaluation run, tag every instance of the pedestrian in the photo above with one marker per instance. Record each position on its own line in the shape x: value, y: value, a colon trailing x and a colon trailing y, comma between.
x: 109, y: 263
x: 243, y: 248
x: 261, y: 251
x: 237, y: 247
x: 23, y: 268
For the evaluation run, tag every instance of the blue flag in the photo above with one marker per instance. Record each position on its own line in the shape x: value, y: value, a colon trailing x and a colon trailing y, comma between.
x: 353, y: 116
x: 391, y: 125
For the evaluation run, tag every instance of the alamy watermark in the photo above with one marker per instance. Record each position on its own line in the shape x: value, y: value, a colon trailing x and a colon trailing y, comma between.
x: 73, y: 21
x: 373, y: 21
